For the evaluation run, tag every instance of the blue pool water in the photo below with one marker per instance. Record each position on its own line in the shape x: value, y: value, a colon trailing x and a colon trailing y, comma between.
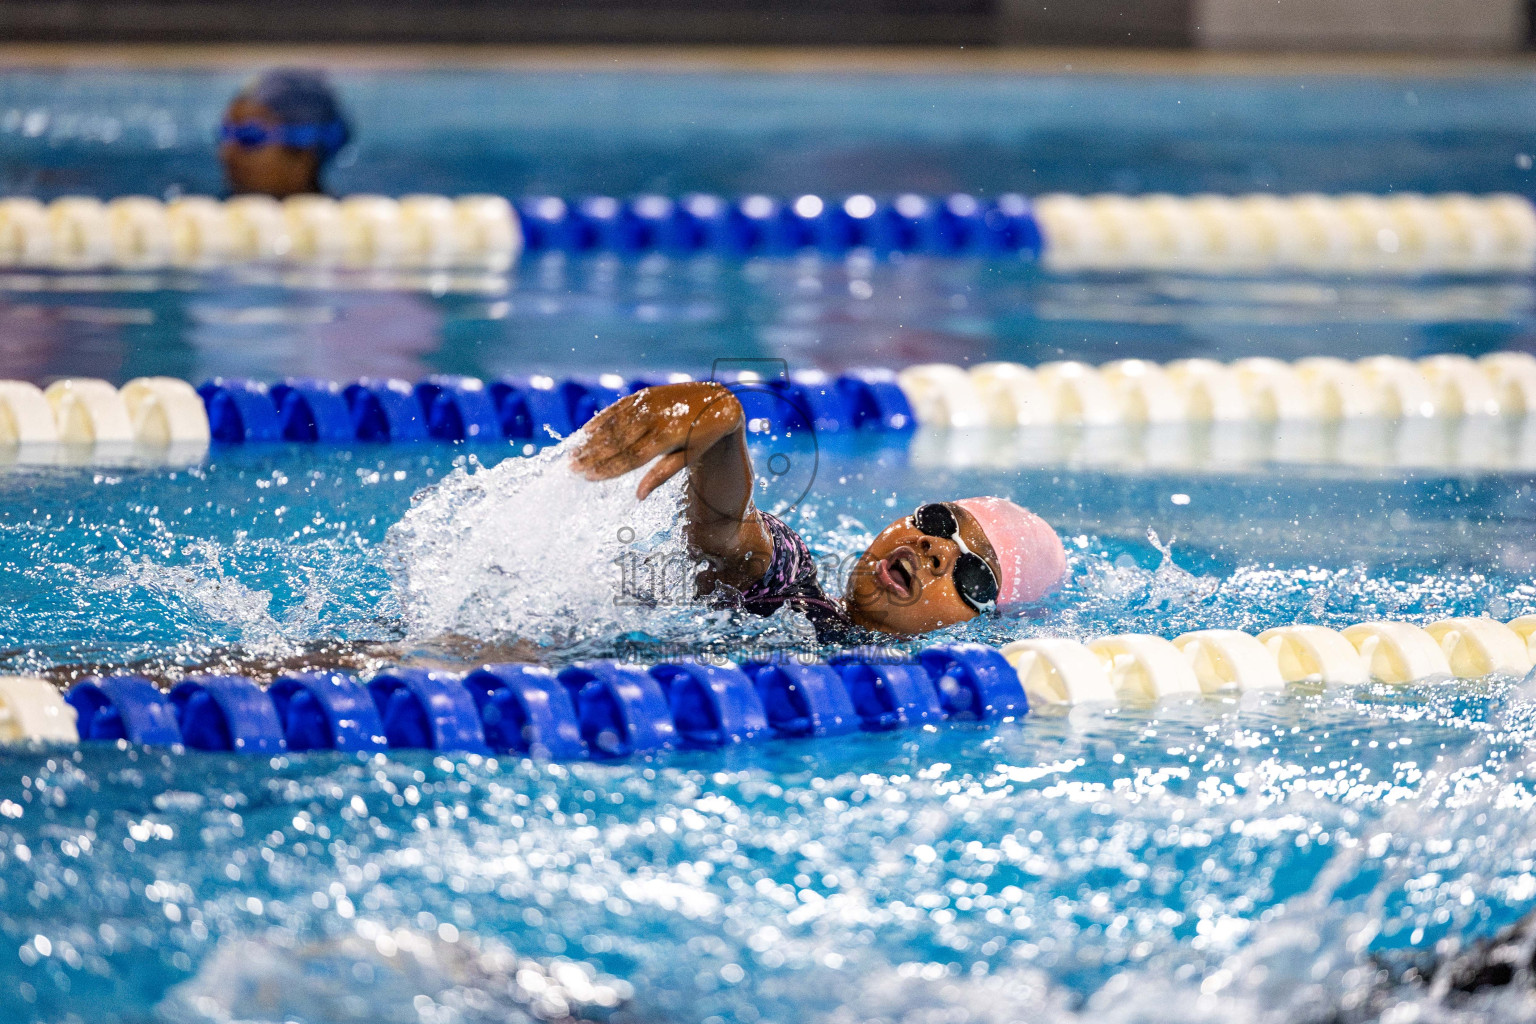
x: 1256, y: 858
x: 620, y: 133
x: 624, y: 133
x: 1069, y: 863
x: 958, y: 874
x: 573, y: 316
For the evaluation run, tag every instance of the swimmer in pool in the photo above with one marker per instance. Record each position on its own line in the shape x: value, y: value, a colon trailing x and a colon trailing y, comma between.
x: 280, y: 132
x: 948, y: 562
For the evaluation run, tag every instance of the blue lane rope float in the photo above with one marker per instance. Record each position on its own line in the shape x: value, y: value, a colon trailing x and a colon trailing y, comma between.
x: 525, y: 710
x: 598, y: 710
x: 621, y: 709
x: 976, y: 683
x: 423, y: 709
x: 313, y: 410
x: 327, y: 711
x: 240, y: 411
x: 536, y: 409
x: 803, y: 700
x: 763, y: 225
x: 124, y: 708
x: 532, y: 408
x: 227, y: 713
x: 605, y: 710
x: 712, y: 705
x: 385, y: 411
x: 459, y: 409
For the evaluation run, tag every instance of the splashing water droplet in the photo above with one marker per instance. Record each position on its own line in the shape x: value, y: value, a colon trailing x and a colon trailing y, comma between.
x: 529, y: 550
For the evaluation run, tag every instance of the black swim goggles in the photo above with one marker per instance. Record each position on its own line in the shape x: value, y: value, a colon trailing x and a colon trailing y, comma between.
x: 975, y: 581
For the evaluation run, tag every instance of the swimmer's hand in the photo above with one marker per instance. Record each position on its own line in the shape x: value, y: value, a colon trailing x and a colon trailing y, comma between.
x: 700, y: 426
x: 678, y: 425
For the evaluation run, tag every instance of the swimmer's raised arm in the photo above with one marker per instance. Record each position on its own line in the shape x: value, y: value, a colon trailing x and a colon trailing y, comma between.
x: 700, y: 426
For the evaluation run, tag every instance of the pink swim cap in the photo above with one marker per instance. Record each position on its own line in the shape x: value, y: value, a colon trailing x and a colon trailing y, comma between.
x: 1029, y: 553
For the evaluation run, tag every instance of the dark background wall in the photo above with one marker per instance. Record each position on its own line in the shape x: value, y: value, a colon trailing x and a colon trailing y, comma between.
x: 807, y: 22
x: 1407, y: 25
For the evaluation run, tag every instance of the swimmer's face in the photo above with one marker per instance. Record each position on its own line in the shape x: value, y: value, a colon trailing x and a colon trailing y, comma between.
x: 904, y: 583
x: 273, y: 169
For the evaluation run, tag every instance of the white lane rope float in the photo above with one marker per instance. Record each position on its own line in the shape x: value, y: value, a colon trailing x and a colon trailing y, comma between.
x: 1254, y: 389
x: 197, y: 232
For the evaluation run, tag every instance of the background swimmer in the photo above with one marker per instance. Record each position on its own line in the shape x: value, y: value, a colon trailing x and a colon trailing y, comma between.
x: 946, y: 563
x: 280, y: 132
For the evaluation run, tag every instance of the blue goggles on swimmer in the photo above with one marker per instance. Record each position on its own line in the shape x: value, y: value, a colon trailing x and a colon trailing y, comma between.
x: 327, y: 138
x: 975, y: 581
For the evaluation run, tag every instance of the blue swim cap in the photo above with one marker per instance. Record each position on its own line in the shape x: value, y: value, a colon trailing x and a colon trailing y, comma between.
x: 304, y: 99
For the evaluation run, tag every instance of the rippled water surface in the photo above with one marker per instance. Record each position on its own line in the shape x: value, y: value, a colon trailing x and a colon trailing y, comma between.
x: 601, y: 314
x: 1207, y: 860
x: 622, y: 133
x: 1277, y: 858
x: 1203, y: 860
x: 268, y: 552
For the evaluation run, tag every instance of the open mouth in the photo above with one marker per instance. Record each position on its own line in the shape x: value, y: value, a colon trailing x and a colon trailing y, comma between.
x: 897, y: 572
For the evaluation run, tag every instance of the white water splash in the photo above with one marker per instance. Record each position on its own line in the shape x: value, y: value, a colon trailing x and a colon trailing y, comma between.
x: 202, y: 586
x: 1172, y: 585
x: 268, y: 598
x: 380, y: 975
x: 529, y: 550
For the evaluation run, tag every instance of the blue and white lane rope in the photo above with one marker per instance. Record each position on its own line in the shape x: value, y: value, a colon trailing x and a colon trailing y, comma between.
x: 1400, y: 233
x: 605, y: 710
x: 534, y: 409
x: 161, y: 412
